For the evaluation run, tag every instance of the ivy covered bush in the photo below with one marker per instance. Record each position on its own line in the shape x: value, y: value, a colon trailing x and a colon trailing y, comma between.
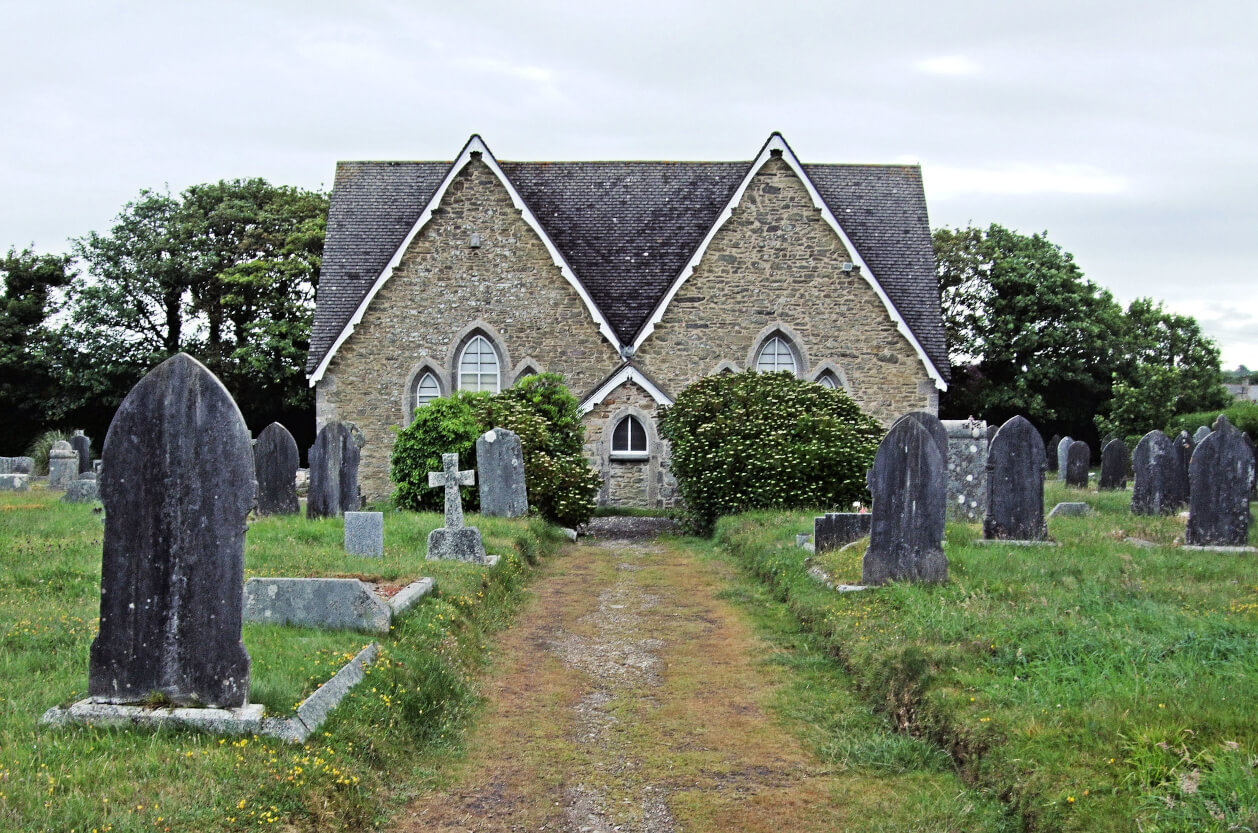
x: 767, y: 440
x: 540, y: 409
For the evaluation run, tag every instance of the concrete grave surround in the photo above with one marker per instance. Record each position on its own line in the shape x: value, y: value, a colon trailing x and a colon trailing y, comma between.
x: 1051, y: 451
x: 1220, y: 477
x: 17, y: 465
x: 454, y: 541
x: 364, y: 533
x: 1077, y: 459
x: 1070, y: 509
x: 331, y: 603
x: 837, y: 529
x: 63, y: 465
x: 1063, y: 448
x: 82, y: 446
x: 967, y: 469
x: 275, y: 460
x: 1156, y: 464
x: 1016, y: 464
x: 500, y: 474
x: 1115, y: 461
x: 334, y: 471
x: 908, y: 485
x: 177, y: 485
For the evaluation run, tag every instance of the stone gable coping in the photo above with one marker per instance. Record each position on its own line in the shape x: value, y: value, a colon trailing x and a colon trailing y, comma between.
x: 627, y: 373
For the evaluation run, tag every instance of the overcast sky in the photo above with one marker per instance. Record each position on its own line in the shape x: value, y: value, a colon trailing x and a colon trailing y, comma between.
x: 1127, y: 131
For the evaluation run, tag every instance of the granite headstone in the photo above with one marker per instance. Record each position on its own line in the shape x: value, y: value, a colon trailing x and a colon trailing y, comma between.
x: 1115, y: 460
x: 934, y: 427
x: 1200, y: 434
x: 82, y: 446
x: 1077, y: 459
x: 334, y: 472
x: 967, y: 469
x: 1177, y: 489
x: 1156, y: 464
x: 275, y: 460
x: 1220, y: 475
x: 908, y: 484
x: 500, y: 474
x: 1015, y: 471
x: 364, y: 533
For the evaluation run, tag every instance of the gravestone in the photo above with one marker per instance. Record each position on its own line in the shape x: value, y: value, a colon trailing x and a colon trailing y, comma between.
x: 275, y: 462
x: 1200, y: 434
x: 334, y: 471
x: 908, y: 485
x: 83, y: 447
x: 364, y: 533
x: 500, y: 473
x: 1253, y: 449
x: 83, y: 490
x: 1063, y: 448
x: 1114, y: 464
x: 967, y: 469
x: 836, y: 529
x: 14, y: 482
x: 17, y: 465
x: 1106, y: 440
x: 177, y: 486
x: 1156, y: 463
x: 1220, y: 475
x: 454, y: 541
x: 63, y: 465
x: 933, y: 427
x: 1177, y: 489
x: 1051, y: 451
x: 1077, y: 459
x: 1015, y: 471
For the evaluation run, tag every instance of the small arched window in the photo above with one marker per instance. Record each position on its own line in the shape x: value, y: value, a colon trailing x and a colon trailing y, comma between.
x: 827, y: 380
x: 527, y: 370
x: 629, y: 438
x: 427, y: 389
x: 479, y: 366
x: 776, y: 354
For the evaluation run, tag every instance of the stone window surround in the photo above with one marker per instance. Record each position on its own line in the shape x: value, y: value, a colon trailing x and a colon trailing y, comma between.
x: 792, y: 340
x: 648, y: 425
x: 836, y: 372
x: 627, y: 454
x: 724, y: 367
x: 461, y: 340
x: 528, y: 367
x: 424, y: 365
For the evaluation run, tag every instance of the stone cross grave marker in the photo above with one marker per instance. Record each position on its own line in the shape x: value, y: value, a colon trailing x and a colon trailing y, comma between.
x: 1156, y: 464
x: 63, y: 465
x: 500, y: 470
x: 1063, y: 448
x: 177, y: 485
x: 334, y: 471
x: 909, y: 487
x: 275, y: 460
x: 82, y: 446
x: 1077, y: 459
x: 1115, y: 461
x: 454, y: 541
x: 1220, y: 475
x: 1200, y: 434
x: 1015, y: 484
x: 1051, y: 451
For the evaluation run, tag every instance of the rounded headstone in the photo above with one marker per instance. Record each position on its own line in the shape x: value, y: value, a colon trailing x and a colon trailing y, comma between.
x: 1078, y: 456
x: 1156, y: 465
x: 907, y: 483
x: 334, y: 471
x: 1220, y: 476
x: 1051, y: 451
x: 1063, y: 448
x: 1016, y: 463
x: 933, y: 426
x: 1114, y: 464
x: 83, y: 447
x: 275, y: 461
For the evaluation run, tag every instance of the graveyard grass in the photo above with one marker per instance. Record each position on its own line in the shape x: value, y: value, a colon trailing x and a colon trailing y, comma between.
x: 396, y: 727
x: 1097, y: 686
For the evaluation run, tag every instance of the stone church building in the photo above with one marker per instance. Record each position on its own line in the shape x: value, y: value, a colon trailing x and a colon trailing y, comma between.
x: 632, y: 279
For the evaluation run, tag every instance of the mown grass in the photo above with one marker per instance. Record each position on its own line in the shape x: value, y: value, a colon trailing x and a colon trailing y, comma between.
x: 390, y: 735
x: 1098, y: 686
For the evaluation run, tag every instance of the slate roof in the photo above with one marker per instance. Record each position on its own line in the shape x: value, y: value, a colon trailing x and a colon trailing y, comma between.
x: 627, y: 229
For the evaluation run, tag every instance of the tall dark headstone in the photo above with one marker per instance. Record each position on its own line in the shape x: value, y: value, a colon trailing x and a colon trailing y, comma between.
x: 908, y: 485
x: 1063, y: 448
x: 177, y: 485
x: 836, y: 529
x: 333, y: 472
x: 1253, y: 450
x: 933, y: 426
x: 1177, y: 488
x: 82, y: 446
x: 1156, y: 464
x: 1078, y: 456
x: 1016, y: 463
x: 500, y: 474
x: 1115, y: 460
x: 1200, y: 435
x: 1051, y: 452
x: 275, y: 460
x: 1220, y: 475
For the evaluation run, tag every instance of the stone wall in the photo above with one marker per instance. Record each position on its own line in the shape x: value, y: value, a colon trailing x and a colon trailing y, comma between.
x: 442, y: 291
x: 776, y: 264
x: 645, y: 483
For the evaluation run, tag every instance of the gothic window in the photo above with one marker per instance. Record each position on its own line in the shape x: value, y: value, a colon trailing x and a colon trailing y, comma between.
x: 427, y: 389
x: 479, y: 366
x: 629, y: 438
x: 827, y: 380
x: 776, y: 354
x: 527, y: 370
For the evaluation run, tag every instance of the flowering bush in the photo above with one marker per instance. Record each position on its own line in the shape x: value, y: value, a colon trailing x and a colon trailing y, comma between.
x: 767, y: 440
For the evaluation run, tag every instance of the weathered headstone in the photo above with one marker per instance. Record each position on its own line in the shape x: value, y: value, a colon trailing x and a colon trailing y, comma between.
x: 836, y: 529
x: 275, y: 461
x: 500, y: 474
x: 1106, y: 440
x: 63, y: 465
x: 454, y: 541
x: 1200, y: 434
x: 1051, y: 451
x: 1063, y: 448
x: 1015, y: 470
x: 14, y: 482
x: 1156, y: 463
x: 1253, y: 449
x: 17, y: 465
x: 83, y: 447
x: 933, y: 427
x: 1077, y: 460
x: 1177, y: 488
x: 333, y: 472
x: 1220, y: 475
x: 908, y: 485
x: 177, y: 486
x: 967, y: 469
x: 83, y: 490
x: 364, y: 533
x: 1115, y: 460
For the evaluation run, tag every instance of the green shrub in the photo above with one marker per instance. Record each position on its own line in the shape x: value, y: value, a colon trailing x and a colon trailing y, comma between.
x: 41, y: 445
x: 767, y: 440
x: 548, y: 397
x: 447, y: 425
x: 1244, y: 415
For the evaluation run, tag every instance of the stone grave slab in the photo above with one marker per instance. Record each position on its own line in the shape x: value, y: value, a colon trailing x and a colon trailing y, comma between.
x: 332, y: 603
x: 909, y: 488
x: 364, y: 533
x: 500, y: 474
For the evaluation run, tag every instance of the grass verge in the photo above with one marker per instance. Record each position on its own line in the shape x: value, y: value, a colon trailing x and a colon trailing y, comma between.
x: 389, y: 736
x: 1104, y: 685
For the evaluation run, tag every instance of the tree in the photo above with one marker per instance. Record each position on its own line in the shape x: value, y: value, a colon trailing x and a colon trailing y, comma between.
x: 26, y: 373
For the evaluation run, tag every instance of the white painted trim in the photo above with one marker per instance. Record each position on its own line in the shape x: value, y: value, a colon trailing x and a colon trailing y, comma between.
x: 474, y: 145
x: 777, y: 143
x: 625, y: 374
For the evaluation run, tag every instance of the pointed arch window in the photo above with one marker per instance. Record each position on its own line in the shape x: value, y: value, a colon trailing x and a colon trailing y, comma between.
x: 827, y: 380
x: 775, y: 355
x: 427, y: 388
x: 479, y: 366
x: 629, y: 439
